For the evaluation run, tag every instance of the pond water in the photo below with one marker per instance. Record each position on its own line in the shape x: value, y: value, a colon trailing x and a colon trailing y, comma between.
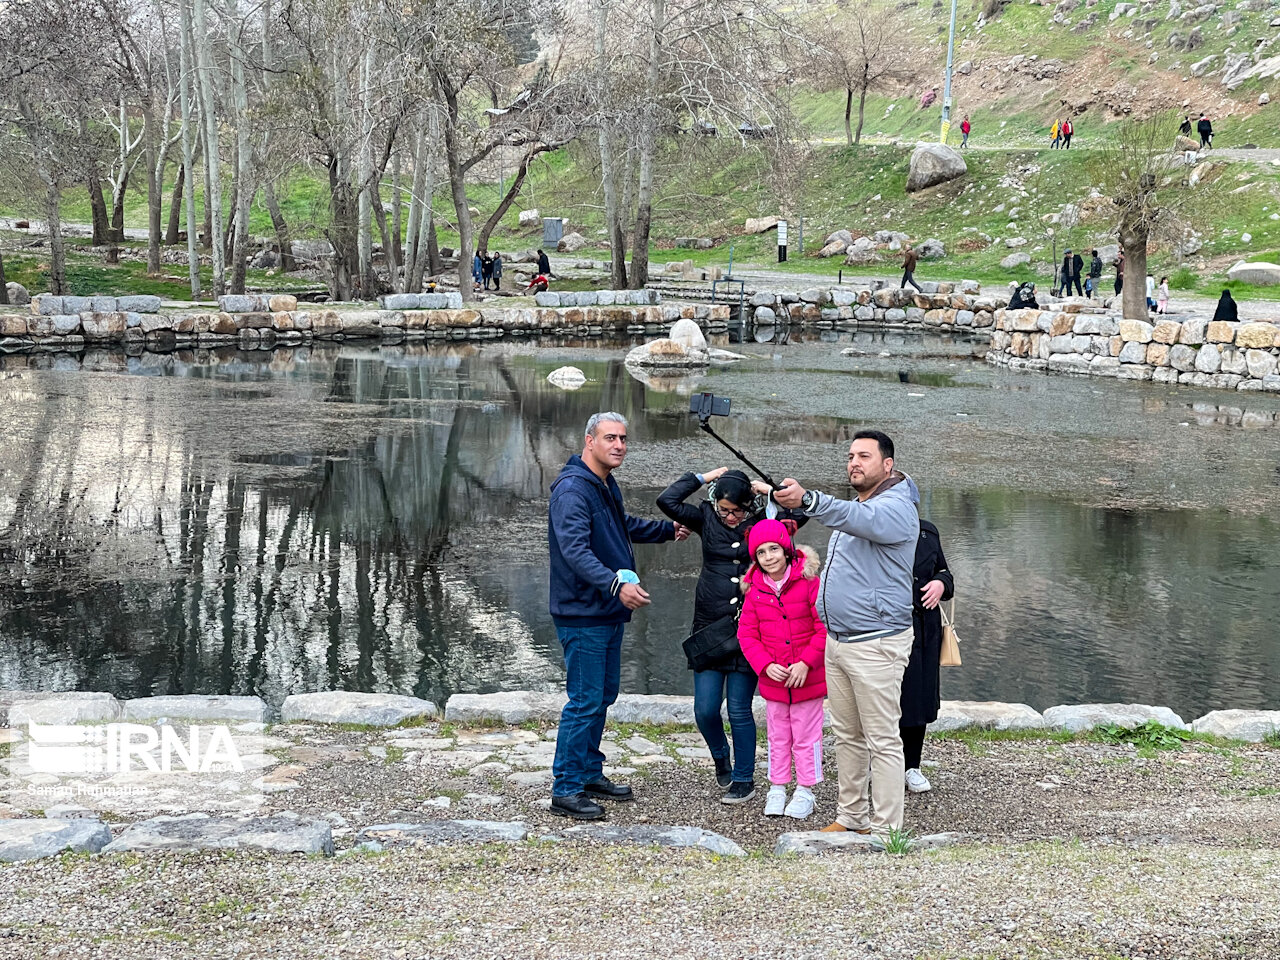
x: 373, y: 518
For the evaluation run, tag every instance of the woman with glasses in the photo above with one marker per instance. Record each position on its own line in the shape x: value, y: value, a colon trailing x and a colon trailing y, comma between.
x: 732, y: 507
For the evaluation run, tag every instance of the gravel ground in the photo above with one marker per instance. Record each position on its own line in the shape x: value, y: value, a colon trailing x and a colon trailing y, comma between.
x: 1070, y: 849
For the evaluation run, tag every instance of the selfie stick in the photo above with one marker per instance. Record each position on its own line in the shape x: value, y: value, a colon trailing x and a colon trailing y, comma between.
x: 738, y: 453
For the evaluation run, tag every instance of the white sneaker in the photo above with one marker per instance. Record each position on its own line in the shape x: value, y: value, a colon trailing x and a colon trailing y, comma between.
x: 775, y: 803
x: 801, y: 804
x: 917, y: 782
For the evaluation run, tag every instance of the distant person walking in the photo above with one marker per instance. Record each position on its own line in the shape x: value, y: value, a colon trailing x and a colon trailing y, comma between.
x: 544, y: 264
x: 1067, y: 130
x: 1095, y: 274
x: 1204, y: 127
x: 1151, y: 293
x: 1072, y: 264
x: 1162, y: 296
x: 1185, y: 127
x: 477, y: 270
x: 909, y: 261
x: 1226, y: 308
x: 1055, y: 136
x: 1119, y: 274
x: 486, y: 270
x: 964, y: 132
x: 497, y: 270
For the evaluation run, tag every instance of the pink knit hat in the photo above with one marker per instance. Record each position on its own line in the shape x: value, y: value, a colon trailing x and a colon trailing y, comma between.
x: 770, y: 531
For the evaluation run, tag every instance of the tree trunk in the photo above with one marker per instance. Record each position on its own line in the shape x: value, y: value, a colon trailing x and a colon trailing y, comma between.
x: 229, y: 231
x: 342, y: 230
x: 482, y: 242
x: 244, y: 151
x: 364, y: 178
x: 153, y: 155
x: 117, y: 206
x: 862, y: 109
x: 57, y: 255
x: 608, y: 167
x: 188, y: 152
x: 98, y: 204
x: 413, y: 275
x: 213, y: 172
x: 388, y: 243
x: 648, y: 148
x: 4, y: 284
x: 174, y: 227
x: 397, y: 200
x: 287, y: 264
x: 1133, y: 243
x: 435, y: 262
x: 848, y: 110
x: 458, y: 189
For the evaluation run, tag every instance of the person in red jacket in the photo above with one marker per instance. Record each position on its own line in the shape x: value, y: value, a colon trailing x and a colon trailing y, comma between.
x: 785, y: 643
x: 965, y: 127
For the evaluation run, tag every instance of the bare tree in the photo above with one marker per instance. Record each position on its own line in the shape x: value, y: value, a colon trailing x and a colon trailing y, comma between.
x: 856, y: 50
x: 1155, y: 196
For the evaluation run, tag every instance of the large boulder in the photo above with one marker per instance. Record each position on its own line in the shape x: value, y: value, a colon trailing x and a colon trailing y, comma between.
x: 571, y: 243
x: 280, y: 833
x: 986, y: 715
x: 1262, y: 274
x: 665, y: 352
x: 844, y: 236
x: 688, y: 334
x: 18, y: 294
x: 33, y: 839
x: 833, y: 249
x: 862, y: 250
x: 1014, y: 260
x: 196, y: 707
x: 530, y: 218
x: 932, y: 164
x: 760, y: 224
x: 931, y: 250
x: 1085, y: 716
x: 511, y: 707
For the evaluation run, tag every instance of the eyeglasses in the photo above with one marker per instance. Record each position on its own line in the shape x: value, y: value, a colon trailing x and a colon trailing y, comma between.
x: 738, y: 512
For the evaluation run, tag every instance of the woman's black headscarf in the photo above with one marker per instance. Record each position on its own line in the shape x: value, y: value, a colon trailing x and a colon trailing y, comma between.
x: 734, y: 487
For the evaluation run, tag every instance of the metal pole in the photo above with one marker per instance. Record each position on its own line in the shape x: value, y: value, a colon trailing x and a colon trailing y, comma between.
x: 946, y: 89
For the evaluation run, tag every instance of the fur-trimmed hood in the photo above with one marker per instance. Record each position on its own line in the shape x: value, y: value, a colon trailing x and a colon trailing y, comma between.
x: 807, y: 565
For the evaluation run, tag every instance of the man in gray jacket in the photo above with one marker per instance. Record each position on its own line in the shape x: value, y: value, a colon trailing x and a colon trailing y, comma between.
x: 865, y: 601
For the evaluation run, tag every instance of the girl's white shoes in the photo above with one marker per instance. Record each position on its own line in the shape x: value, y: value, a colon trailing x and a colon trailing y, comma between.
x: 800, y: 807
x: 776, y: 802
x: 801, y: 804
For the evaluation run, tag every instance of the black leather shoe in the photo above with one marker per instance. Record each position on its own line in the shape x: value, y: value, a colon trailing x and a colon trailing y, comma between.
x: 724, y: 772
x: 579, y: 807
x: 604, y: 787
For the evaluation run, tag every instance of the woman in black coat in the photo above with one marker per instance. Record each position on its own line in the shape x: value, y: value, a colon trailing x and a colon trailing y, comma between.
x: 921, y: 686
x: 1226, y: 309
x: 722, y: 520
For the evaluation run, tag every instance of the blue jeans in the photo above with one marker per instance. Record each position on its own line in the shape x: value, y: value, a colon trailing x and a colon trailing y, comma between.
x: 593, y: 666
x: 710, y: 690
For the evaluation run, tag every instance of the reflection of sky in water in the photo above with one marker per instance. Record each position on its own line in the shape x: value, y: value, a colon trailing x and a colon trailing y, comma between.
x: 375, y: 519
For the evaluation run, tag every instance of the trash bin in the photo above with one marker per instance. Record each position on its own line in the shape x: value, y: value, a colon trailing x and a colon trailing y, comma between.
x: 552, y: 230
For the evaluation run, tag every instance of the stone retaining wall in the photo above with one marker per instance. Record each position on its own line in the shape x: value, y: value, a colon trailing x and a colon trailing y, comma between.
x: 260, y: 321
x: 521, y: 706
x: 941, y: 306
x: 1071, y: 339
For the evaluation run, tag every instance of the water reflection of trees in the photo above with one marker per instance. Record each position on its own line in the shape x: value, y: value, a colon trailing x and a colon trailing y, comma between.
x: 323, y: 565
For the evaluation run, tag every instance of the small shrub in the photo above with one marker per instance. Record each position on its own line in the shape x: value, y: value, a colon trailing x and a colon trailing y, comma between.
x: 1272, y: 739
x: 898, y: 842
x: 1184, y: 278
x: 1151, y: 735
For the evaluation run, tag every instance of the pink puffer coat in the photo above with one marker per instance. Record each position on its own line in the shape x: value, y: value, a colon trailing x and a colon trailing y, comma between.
x: 784, y: 628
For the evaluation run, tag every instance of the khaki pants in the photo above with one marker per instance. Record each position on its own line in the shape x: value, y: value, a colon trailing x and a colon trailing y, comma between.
x: 864, y: 686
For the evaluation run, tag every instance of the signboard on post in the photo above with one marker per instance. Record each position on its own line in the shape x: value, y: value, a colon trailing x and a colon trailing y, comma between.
x: 782, y: 241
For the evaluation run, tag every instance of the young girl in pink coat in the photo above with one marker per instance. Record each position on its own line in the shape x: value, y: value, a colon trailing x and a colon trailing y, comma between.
x: 785, y: 642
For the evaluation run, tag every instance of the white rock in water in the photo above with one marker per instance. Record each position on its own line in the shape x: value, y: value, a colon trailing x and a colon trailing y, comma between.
x: 664, y: 352
x: 1251, y: 725
x: 567, y: 378
x: 371, y: 709
x: 33, y: 839
x: 1086, y: 716
x: 280, y: 833
x: 987, y: 715
x: 196, y: 707
x: 688, y: 334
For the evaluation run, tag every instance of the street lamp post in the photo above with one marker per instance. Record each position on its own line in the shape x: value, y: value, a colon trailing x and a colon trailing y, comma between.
x: 946, y: 89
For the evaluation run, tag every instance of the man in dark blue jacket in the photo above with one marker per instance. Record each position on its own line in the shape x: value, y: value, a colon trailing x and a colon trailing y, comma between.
x: 594, y: 588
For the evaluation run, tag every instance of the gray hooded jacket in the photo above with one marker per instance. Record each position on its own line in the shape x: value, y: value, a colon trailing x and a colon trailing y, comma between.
x: 867, y: 579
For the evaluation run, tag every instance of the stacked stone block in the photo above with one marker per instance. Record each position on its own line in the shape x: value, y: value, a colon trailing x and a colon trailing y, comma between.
x: 1224, y: 355
x: 942, y: 306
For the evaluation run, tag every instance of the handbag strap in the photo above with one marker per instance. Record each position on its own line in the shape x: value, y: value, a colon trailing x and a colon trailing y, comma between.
x: 948, y: 619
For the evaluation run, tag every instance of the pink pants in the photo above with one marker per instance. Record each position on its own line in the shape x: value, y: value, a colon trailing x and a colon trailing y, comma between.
x: 795, y: 732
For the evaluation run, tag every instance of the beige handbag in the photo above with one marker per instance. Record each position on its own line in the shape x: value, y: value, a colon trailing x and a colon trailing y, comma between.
x: 950, y: 642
